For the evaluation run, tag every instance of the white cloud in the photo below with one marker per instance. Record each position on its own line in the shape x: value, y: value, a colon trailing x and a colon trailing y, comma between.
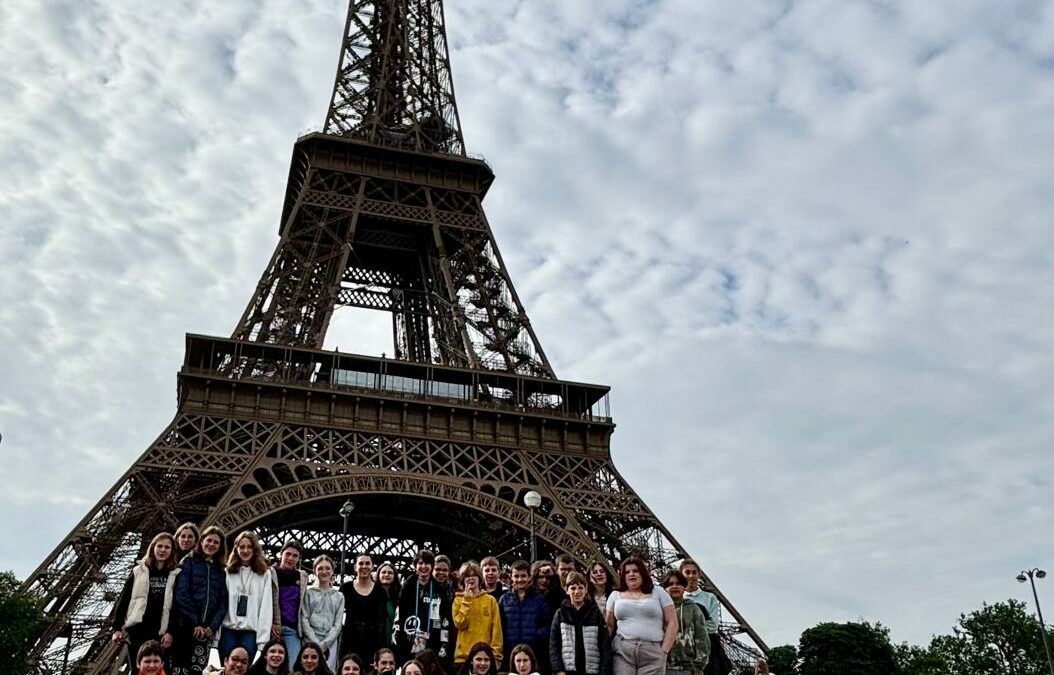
x: 808, y: 244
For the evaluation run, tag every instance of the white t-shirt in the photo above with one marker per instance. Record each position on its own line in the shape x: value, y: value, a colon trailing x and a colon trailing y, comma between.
x: 640, y: 619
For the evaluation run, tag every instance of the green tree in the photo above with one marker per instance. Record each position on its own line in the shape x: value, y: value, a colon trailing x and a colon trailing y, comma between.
x: 783, y: 660
x: 20, y: 621
x: 843, y: 648
x: 999, y: 639
x: 915, y: 660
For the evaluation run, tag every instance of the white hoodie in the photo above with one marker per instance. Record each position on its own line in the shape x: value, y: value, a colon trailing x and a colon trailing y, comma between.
x: 258, y: 612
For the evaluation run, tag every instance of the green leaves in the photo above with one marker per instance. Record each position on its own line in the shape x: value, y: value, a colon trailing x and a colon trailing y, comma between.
x: 841, y: 648
x: 20, y: 622
x: 999, y: 639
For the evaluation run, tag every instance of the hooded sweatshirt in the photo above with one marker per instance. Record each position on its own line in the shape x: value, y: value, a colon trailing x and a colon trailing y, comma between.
x: 322, y: 616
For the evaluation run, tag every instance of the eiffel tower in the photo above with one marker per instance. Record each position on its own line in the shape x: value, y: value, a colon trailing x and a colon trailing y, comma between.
x: 435, y: 446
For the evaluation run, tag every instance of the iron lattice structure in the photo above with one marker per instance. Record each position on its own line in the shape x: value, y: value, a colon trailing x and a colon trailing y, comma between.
x: 436, y: 446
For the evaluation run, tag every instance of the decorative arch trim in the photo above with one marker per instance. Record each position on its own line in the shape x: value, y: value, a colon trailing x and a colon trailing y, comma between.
x: 249, y: 511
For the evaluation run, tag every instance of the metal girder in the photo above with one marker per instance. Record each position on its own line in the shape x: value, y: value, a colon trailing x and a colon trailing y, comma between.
x: 393, y: 84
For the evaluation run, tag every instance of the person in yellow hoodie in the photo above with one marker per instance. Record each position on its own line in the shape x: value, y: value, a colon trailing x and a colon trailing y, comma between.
x: 476, y: 615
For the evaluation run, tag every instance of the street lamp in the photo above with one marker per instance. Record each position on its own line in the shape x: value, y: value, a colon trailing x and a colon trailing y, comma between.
x: 345, y: 512
x: 533, y: 500
x: 1031, y: 575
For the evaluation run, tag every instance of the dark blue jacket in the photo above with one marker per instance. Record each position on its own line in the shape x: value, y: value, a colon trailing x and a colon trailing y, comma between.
x: 526, y: 620
x: 201, y: 593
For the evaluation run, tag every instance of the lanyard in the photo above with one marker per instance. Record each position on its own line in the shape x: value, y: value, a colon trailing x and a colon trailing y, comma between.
x: 417, y: 606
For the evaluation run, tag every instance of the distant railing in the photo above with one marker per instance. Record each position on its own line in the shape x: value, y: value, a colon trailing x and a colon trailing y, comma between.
x: 483, y: 397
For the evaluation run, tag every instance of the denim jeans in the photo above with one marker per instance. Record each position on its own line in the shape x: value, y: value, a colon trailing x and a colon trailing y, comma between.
x: 292, y: 644
x: 230, y: 638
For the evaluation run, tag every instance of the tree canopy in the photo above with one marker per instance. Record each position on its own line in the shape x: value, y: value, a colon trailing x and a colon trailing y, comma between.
x: 998, y: 639
x: 840, y: 648
x: 20, y: 621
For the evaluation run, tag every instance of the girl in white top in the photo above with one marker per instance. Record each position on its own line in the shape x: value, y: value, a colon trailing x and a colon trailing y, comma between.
x: 600, y: 586
x: 642, y: 618
x: 322, y: 612
x: 249, y: 606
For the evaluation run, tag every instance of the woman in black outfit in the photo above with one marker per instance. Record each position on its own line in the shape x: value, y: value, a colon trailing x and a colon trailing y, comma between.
x: 366, y: 608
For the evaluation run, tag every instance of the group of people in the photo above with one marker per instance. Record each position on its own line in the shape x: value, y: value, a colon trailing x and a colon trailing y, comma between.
x: 543, y: 618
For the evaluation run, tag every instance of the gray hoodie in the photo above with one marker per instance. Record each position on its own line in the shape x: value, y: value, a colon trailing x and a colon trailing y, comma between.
x: 322, y: 616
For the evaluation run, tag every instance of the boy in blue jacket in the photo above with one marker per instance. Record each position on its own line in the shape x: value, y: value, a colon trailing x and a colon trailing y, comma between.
x: 525, y: 616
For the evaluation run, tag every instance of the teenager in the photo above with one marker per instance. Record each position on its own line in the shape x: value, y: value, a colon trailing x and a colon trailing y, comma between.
x: 565, y: 565
x: 388, y: 580
x: 441, y: 572
x: 144, y: 608
x: 384, y: 662
x: 719, y: 663
x: 525, y: 616
x: 249, y: 602
x: 424, y: 614
x: 351, y: 664
x: 236, y: 663
x: 366, y: 610
x: 273, y: 659
x: 429, y: 663
x: 412, y: 667
x: 481, y: 661
x: 543, y: 575
x: 578, y: 639
x: 476, y: 615
x: 492, y: 577
x: 148, y: 659
x: 186, y: 536
x: 691, y: 649
x: 642, y: 619
x: 201, y: 596
x: 600, y: 585
x: 524, y: 662
x: 288, y: 590
x: 310, y: 660
x: 322, y: 611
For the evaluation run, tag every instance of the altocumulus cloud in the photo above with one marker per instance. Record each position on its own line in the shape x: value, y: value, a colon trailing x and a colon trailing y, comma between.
x: 809, y: 245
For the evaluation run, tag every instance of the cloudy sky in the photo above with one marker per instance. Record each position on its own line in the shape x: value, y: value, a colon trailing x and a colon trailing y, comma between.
x: 809, y: 244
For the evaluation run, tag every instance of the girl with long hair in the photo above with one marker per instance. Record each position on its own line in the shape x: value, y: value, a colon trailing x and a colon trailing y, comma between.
x: 366, y: 609
x: 643, y: 621
x: 144, y: 609
x: 522, y: 660
x: 388, y: 580
x: 412, y: 667
x: 322, y: 611
x: 249, y: 607
x: 311, y: 661
x: 274, y: 660
x: 186, y: 536
x: 201, y: 596
x: 600, y: 585
x: 480, y: 661
x: 351, y: 664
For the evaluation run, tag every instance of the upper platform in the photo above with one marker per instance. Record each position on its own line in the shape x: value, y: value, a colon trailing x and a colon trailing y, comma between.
x: 349, y: 155
x: 340, y: 372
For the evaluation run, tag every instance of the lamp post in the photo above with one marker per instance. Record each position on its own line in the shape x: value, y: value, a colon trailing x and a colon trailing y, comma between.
x: 345, y: 512
x: 1031, y: 576
x: 532, y: 500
